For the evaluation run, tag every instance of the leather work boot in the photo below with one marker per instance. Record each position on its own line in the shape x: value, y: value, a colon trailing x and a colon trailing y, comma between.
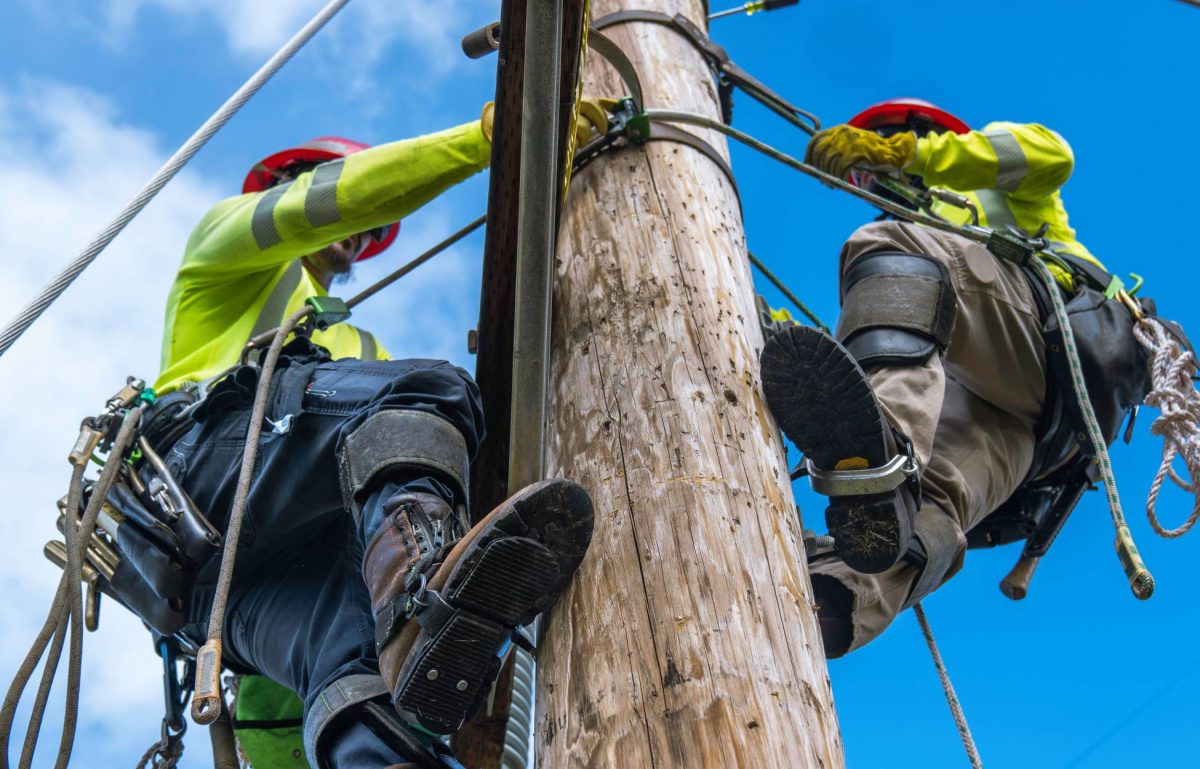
x: 824, y: 403
x: 447, y: 606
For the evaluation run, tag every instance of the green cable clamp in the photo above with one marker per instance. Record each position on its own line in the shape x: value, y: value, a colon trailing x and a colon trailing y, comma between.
x: 327, y: 311
x: 147, y: 396
x: 636, y: 125
x: 638, y: 129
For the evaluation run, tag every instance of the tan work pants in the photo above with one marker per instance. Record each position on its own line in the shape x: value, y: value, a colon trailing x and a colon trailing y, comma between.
x: 970, y: 413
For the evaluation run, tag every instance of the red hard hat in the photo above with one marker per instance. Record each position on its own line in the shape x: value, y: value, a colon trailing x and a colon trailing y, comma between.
x: 898, y: 111
x: 267, y: 172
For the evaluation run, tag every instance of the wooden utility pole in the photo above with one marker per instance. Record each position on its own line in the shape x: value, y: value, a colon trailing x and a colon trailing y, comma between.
x: 688, y: 640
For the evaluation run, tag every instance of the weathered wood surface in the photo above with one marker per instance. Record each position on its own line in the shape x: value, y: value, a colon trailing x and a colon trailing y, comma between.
x: 688, y: 640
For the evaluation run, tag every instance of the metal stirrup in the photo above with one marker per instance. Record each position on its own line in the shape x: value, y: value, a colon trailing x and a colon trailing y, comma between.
x: 869, y: 480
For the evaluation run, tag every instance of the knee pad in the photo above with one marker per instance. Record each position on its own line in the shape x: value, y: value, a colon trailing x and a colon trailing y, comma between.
x: 898, y: 309
x: 400, y: 438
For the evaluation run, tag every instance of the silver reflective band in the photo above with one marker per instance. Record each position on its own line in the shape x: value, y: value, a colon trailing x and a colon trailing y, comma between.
x: 855, y: 483
x: 262, y: 223
x: 320, y: 202
x: 995, y: 209
x: 1012, y: 163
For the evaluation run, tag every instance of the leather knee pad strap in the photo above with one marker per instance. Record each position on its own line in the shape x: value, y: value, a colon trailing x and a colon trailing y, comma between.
x: 400, y: 438
x: 897, y: 308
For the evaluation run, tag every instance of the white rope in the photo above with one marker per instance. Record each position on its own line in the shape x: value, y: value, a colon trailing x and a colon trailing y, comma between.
x: 960, y: 718
x: 56, y: 287
x: 1174, y: 394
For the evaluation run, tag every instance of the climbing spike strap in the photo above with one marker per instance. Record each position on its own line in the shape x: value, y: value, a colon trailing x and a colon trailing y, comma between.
x: 897, y: 308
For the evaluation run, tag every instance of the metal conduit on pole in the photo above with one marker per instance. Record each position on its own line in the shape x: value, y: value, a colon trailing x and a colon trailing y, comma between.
x: 24, y: 319
x: 539, y: 190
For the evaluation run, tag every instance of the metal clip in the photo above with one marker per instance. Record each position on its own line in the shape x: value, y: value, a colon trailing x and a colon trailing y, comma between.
x: 85, y: 445
x: 207, y: 701
x: 126, y: 395
x: 869, y: 480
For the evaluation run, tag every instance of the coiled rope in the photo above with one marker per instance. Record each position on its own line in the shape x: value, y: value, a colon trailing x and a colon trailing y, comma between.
x: 1173, y: 393
x: 66, y: 609
x: 56, y: 287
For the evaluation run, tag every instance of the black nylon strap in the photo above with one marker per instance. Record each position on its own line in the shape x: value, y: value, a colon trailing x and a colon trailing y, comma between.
x: 1091, y: 273
x: 664, y: 132
x: 613, y: 54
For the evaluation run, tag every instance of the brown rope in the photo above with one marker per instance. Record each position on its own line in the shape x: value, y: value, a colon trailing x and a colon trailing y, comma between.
x: 207, y: 700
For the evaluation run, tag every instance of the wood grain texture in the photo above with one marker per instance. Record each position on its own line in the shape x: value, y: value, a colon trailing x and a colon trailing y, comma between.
x: 688, y: 639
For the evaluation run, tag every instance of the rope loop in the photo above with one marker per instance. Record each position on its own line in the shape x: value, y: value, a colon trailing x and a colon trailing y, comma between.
x: 1173, y: 393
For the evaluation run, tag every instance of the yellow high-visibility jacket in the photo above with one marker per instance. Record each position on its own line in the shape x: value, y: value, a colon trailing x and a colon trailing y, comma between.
x: 241, y: 273
x: 1012, y: 172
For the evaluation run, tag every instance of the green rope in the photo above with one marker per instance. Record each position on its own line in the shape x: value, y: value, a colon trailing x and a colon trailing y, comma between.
x: 1140, y: 579
x: 783, y: 289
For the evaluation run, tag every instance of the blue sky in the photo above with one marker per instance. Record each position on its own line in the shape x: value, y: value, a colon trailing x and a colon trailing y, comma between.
x: 96, y: 94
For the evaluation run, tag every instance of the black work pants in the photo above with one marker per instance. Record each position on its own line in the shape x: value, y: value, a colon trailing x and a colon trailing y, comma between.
x: 298, y: 609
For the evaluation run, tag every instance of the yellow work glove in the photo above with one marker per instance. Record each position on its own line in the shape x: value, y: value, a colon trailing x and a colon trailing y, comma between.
x: 486, y: 119
x: 593, y: 116
x: 838, y: 149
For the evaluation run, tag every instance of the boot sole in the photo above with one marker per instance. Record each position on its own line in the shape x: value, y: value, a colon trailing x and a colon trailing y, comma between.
x: 517, y: 562
x: 824, y: 404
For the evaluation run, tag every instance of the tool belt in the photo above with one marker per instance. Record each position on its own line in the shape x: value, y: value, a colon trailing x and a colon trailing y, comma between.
x: 150, y: 540
x: 1117, y: 379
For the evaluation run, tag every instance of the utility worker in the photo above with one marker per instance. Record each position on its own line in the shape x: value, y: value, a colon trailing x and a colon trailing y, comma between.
x: 929, y: 409
x: 360, y: 584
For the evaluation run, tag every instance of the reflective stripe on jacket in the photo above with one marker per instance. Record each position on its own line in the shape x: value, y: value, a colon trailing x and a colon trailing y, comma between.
x: 241, y: 273
x: 1012, y: 172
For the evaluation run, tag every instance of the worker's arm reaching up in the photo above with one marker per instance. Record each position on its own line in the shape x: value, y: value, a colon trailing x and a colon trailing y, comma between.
x: 1026, y: 161
x: 374, y: 188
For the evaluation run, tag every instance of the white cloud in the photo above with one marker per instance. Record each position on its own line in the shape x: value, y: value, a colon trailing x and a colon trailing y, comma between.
x: 356, y: 39
x: 69, y: 166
